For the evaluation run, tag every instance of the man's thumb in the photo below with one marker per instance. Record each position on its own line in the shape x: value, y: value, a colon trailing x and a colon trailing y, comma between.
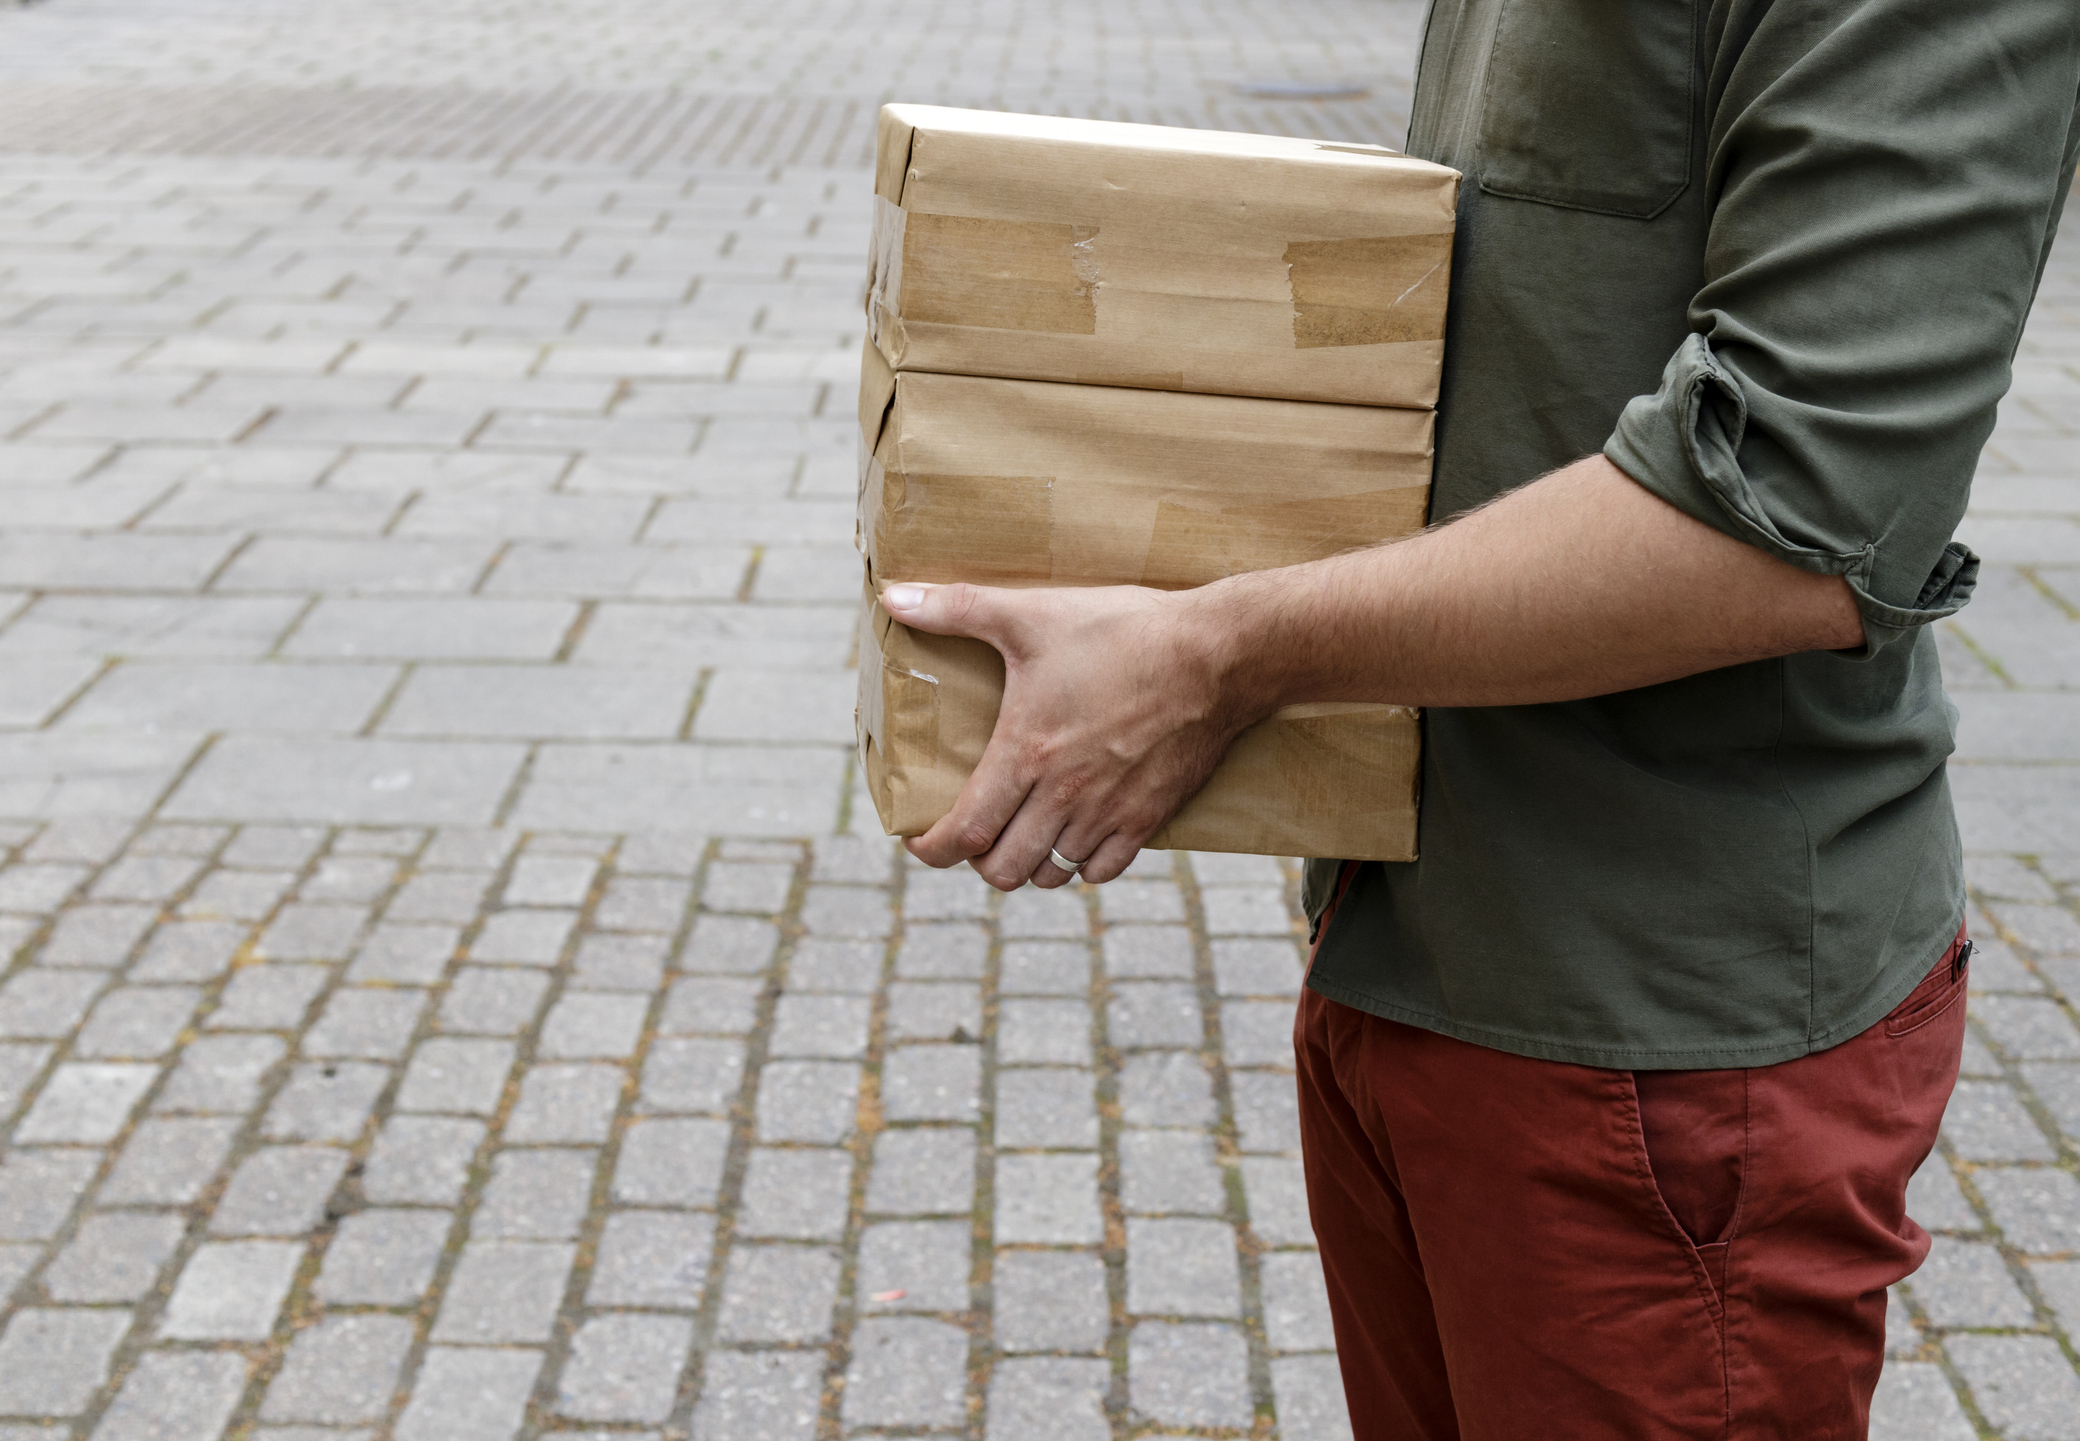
x: 971, y: 610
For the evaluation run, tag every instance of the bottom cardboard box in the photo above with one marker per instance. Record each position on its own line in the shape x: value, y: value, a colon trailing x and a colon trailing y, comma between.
x: 1329, y: 779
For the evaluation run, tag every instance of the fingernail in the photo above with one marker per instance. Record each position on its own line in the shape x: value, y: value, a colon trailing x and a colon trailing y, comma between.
x: 903, y: 597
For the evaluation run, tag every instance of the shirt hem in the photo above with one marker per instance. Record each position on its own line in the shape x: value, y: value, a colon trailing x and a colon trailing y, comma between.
x: 1628, y: 1058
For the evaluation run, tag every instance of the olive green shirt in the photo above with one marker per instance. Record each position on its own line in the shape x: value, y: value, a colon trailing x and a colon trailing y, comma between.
x: 1774, y: 260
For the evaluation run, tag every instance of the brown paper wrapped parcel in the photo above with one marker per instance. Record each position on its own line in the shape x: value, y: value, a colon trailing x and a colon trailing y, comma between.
x: 970, y: 474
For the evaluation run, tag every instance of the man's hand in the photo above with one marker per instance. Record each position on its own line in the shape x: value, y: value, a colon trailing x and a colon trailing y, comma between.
x: 1119, y: 702
x: 1112, y: 717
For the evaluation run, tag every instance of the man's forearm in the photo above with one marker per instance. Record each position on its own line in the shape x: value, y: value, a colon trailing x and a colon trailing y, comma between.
x: 1579, y: 584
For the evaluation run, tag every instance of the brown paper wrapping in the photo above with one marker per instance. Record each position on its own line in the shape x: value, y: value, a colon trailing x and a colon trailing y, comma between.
x: 1084, y: 251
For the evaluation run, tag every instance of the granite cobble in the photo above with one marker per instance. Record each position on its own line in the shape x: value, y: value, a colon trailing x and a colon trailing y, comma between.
x: 450, y: 985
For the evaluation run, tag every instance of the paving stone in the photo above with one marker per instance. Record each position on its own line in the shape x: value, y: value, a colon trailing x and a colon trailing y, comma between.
x: 469, y: 1395
x: 950, y: 952
x: 1246, y: 911
x: 138, y: 1022
x: 779, y: 1293
x: 1296, y: 1302
x: 97, y: 937
x: 366, y: 1023
x: 2038, y: 1211
x: 1046, y: 1109
x: 1050, y: 1301
x: 923, y: 1171
x: 550, y: 880
x: 671, y: 1163
x: 643, y: 903
x: 762, y: 889
x: 311, y: 933
x: 349, y: 879
x: 326, y: 1101
x: 795, y: 1195
x: 463, y: 1077
x: 812, y: 1101
x: 17, y: 1260
x: 527, y: 938
x: 951, y: 895
x: 625, y: 1368
x: 168, y: 1162
x: 816, y: 1025
x: 1965, y: 1284
x: 1034, y: 912
x: 19, y: 1067
x: 620, y: 963
x: 279, y: 1191
x: 1257, y: 1033
x: 53, y: 1361
x: 568, y: 1103
x: 488, y: 1001
x: 47, y: 1004
x: 1051, y: 1199
x: 537, y: 1195
x: 439, y: 896
x: 39, y: 890
x: 759, y: 1396
x: 1182, y: 1267
x: 1986, y: 1122
x: 1257, y: 968
x: 589, y: 1026
x: 1277, y: 1193
x: 268, y: 998
x: 906, y: 1372
x: 340, y: 1371
x: 115, y: 1256
x: 1033, y: 1032
x: 1189, y: 1374
x: 932, y: 1083
x: 927, y: 1262
x: 655, y: 1259
x: 231, y: 1291
x: 821, y: 964
x: 85, y: 1104
x: 2058, y: 1282
x: 1310, y: 1399
x: 846, y: 911
x: 236, y: 895
x: 382, y: 1258
x: 1145, y: 1014
x: 693, y: 1075
x: 1049, y: 1399
x: 1044, y: 968
x: 2023, y: 1384
x: 404, y: 955
x: 504, y: 1291
x: 421, y: 1160
x: 188, y: 951
x: 730, y: 945
x: 1212, y: 868
x: 723, y: 1005
x: 1149, y: 952
x: 1934, y: 1199
x: 2028, y: 1028
x: 175, y: 1396
x: 1914, y: 1402
x: 1164, y: 1172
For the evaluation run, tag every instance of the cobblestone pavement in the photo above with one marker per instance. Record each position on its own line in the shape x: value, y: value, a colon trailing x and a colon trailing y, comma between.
x: 449, y: 986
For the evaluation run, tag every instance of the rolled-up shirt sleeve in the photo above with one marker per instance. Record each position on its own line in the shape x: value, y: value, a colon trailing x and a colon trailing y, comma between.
x: 1885, y: 175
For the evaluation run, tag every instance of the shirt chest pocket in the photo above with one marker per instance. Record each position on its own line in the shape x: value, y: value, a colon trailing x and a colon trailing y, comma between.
x: 1590, y: 104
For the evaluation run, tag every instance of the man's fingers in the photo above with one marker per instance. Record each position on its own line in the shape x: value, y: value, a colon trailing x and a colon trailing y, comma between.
x: 981, y: 611
x: 1114, y: 856
x: 984, y: 807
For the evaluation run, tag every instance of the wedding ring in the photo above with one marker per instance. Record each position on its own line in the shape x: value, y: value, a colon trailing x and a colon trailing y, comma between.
x: 1074, y: 868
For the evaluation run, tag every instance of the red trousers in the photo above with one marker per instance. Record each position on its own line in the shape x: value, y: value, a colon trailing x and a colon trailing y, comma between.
x: 1526, y: 1249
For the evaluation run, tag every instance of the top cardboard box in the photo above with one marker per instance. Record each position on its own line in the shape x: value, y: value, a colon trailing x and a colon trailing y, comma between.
x: 1035, y: 248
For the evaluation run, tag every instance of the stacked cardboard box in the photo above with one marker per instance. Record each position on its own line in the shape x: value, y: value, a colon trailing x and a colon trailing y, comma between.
x: 1107, y: 354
